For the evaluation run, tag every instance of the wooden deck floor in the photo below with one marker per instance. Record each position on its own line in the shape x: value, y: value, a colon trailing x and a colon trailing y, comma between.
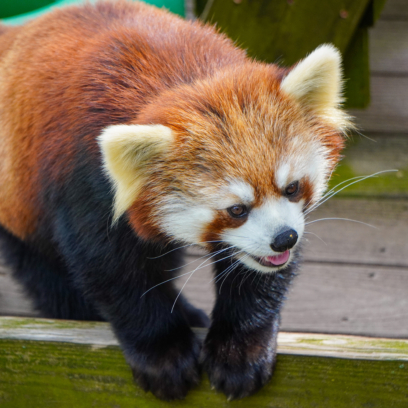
x: 354, y: 279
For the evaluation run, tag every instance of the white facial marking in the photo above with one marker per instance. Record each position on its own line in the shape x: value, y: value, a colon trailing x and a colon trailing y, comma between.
x: 243, y: 190
x: 235, y: 192
x: 184, y: 220
x: 282, y: 175
x: 310, y: 162
x: 264, y: 223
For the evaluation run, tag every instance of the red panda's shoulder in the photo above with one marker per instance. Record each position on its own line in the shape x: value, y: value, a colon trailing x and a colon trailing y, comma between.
x: 77, y: 70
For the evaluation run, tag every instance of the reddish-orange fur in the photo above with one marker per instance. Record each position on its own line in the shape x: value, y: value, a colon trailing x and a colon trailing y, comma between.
x: 230, y: 133
x: 45, y: 103
x: 49, y: 64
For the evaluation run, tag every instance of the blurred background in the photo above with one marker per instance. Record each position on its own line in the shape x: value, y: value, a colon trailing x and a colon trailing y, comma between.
x: 354, y: 278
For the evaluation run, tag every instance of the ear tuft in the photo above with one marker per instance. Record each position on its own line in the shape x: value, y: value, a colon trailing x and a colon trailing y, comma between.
x: 316, y: 82
x: 127, y: 151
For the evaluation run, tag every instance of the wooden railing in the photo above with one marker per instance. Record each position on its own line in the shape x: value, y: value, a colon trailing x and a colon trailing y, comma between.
x: 50, y: 363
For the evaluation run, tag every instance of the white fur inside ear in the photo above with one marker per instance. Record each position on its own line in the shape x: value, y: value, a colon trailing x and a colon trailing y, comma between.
x: 316, y: 82
x: 127, y: 151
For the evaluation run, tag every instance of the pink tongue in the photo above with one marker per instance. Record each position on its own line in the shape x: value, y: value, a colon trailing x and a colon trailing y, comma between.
x: 278, y: 259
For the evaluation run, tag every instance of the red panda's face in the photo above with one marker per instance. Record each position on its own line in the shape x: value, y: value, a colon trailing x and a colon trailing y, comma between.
x: 246, y: 189
x: 232, y: 161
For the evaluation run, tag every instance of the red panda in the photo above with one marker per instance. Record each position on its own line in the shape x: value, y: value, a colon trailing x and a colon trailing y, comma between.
x: 127, y: 133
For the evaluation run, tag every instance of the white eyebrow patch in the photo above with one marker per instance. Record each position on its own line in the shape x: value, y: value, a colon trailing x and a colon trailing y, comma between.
x: 243, y: 190
x: 235, y: 192
x: 282, y: 175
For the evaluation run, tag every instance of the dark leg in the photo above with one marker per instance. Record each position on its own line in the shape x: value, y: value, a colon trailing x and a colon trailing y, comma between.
x: 45, y: 280
x: 116, y: 270
x: 240, y: 349
x: 195, y: 317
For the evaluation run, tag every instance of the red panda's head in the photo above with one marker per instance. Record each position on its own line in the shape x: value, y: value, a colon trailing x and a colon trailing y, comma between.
x: 236, y: 158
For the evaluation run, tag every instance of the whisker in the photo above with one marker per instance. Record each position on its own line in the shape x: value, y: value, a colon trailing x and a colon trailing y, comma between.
x: 327, y: 197
x: 184, y: 246
x: 231, y: 269
x: 216, y: 278
x: 247, y: 275
x: 192, y: 273
x: 162, y: 283
x: 341, y: 219
x: 309, y: 232
x: 183, y: 274
x: 201, y: 257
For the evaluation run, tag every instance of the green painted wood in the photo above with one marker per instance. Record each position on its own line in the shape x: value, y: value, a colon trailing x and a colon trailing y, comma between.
x: 11, y: 8
x: 378, y: 7
x: 36, y: 374
x: 285, y: 31
x: 367, y: 155
x: 12, y: 16
x: 357, y: 71
x: 64, y: 374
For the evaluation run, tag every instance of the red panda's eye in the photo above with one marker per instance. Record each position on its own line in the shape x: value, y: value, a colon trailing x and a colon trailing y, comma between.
x: 238, y: 210
x: 292, y: 188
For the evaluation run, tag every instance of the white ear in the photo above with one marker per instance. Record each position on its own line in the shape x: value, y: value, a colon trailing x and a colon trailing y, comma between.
x: 127, y: 151
x: 316, y: 82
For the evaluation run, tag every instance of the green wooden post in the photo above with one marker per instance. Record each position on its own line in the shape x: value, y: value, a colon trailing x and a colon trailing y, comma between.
x: 286, y: 31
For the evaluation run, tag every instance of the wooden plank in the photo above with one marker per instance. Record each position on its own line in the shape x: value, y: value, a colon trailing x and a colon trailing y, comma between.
x: 332, y: 298
x: 388, y: 112
x: 359, y: 300
x: 366, y: 372
x: 65, y: 375
x: 100, y: 335
x: 389, y: 48
x: 340, y: 241
x: 396, y: 10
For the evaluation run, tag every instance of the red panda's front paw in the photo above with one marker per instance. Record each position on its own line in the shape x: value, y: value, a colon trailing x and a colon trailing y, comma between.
x: 171, y: 375
x: 235, y: 370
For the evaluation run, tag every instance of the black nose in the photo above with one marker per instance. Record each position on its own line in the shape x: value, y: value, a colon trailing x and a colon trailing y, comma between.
x: 285, y: 240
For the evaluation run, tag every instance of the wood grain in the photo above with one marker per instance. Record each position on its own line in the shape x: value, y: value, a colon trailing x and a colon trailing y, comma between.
x: 100, y: 335
x: 388, y: 111
x: 358, y: 300
x: 388, y: 47
x: 396, y: 10
x: 330, y: 298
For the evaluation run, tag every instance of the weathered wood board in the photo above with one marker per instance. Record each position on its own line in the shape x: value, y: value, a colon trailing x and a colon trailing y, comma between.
x: 388, y: 111
x: 396, y: 10
x: 327, y: 298
x: 388, y: 48
x: 312, y: 371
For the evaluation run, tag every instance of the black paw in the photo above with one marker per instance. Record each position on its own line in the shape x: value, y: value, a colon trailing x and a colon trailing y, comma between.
x: 236, y: 370
x: 168, y: 374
